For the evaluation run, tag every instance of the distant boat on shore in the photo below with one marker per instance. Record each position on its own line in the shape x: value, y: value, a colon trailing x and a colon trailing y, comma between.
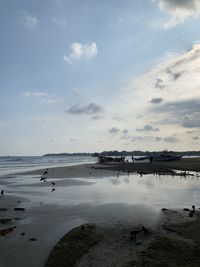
x: 166, y: 158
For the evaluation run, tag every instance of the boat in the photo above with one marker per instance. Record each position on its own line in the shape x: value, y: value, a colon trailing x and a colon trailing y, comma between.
x: 166, y: 157
x: 139, y: 158
x: 106, y: 159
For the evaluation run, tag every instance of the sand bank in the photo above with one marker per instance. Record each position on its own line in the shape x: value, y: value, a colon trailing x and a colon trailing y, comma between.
x: 98, y: 170
x: 175, y: 242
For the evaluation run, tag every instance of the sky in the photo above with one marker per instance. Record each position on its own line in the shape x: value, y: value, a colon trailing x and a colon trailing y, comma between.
x: 89, y: 75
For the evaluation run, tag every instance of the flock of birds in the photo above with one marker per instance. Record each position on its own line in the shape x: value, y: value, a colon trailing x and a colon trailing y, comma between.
x: 44, y: 179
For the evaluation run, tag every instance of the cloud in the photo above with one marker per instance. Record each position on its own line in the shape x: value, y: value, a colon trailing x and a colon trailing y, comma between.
x: 75, y: 91
x: 42, y: 97
x: 195, y: 138
x: 28, y: 21
x: 48, y: 120
x: 147, y: 138
x: 97, y: 117
x: 178, y: 10
x: 90, y: 109
x: 125, y: 137
x: 61, y: 21
x: 117, y: 118
x: 156, y: 100
x: 125, y: 131
x: 159, y: 83
x: 171, y: 139
x: 34, y: 94
x: 185, y: 113
x: 180, y: 76
x: 114, y: 130
x: 80, y: 51
x: 147, y: 128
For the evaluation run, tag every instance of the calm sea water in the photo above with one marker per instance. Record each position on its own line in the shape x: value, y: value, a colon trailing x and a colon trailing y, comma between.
x: 18, y: 164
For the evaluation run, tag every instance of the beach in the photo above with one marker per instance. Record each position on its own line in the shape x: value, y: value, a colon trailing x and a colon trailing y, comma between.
x: 108, y: 201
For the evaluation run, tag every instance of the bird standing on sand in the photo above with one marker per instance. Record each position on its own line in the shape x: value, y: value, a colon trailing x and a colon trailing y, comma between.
x: 2, y: 192
x: 53, y: 183
x: 45, y: 172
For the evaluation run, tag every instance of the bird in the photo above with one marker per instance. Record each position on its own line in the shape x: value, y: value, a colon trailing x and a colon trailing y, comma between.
x: 53, y: 183
x: 191, y: 213
x: 2, y: 192
x: 53, y: 189
x: 43, y: 179
x: 45, y: 172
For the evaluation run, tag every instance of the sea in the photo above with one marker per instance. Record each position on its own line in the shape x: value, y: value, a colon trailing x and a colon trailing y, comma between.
x: 15, y: 164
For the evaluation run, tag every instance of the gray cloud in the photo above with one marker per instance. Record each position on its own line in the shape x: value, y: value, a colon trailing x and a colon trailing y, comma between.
x: 195, y: 138
x: 90, y: 109
x: 97, y: 117
x: 190, y: 132
x: 174, y: 75
x: 171, y: 139
x: 179, y: 4
x: 156, y: 100
x: 125, y: 137
x: 159, y: 84
x: 147, y: 128
x: 185, y: 113
x: 179, y: 10
x: 168, y: 139
x: 125, y: 131
x: 114, y: 130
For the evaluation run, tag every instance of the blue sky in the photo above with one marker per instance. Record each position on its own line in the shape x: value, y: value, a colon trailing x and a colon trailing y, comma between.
x: 88, y: 75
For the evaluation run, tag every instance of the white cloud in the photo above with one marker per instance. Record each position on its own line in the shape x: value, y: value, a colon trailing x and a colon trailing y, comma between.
x: 180, y: 76
x: 61, y: 21
x: 80, y: 51
x: 75, y: 91
x: 178, y: 10
x: 34, y: 94
x: 48, y: 120
x: 28, y: 21
x: 43, y: 98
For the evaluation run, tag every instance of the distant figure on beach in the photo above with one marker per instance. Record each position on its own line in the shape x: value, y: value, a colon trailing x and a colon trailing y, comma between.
x: 2, y: 192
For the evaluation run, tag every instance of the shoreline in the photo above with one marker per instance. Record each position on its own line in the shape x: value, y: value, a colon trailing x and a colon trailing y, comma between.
x: 98, y: 170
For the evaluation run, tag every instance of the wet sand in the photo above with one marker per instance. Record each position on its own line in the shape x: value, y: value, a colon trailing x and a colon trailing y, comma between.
x: 175, y: 242
x: 185, y: 164
x: 46, y: 223
x: 98, y: 170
